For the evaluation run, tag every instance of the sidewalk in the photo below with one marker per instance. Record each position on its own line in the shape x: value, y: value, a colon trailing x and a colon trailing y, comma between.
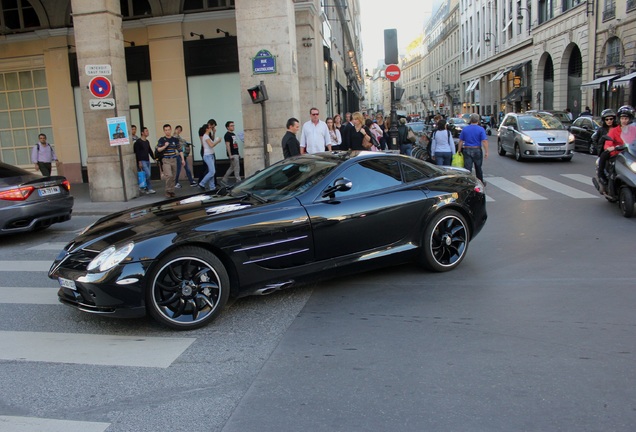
x: 83, y: 205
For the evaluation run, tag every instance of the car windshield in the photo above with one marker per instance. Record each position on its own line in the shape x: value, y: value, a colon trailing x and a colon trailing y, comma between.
x: 539, y: 122
x: 458, y: 121
x: 417, y: 127
x: 563, y: 117
x: 286, y: 179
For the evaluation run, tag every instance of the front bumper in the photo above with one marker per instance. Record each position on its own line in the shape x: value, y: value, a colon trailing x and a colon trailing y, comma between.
x: 118, y: 293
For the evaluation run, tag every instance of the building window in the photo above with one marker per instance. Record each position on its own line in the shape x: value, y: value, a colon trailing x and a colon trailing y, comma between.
x: 135, y: 8
x: 546, y: 10
x: 18, y: 15
x: 631, y: 5
x: 569, y: 4
x: 609, y: 10
x: 204, y: 5
x: 613, y: 52
x: 24, y: 114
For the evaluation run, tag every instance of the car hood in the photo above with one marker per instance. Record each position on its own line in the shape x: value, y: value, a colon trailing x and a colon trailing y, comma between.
x: 558, y: 135
x: 162, y: 218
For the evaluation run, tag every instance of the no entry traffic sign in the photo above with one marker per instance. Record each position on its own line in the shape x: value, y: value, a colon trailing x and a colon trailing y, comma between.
x: 100, y: 87
x: 392, y: 72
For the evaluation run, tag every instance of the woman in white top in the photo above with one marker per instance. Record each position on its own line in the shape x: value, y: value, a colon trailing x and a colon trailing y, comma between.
x: 208, y: 155
x: 334, y: 134
x: 443, y: 146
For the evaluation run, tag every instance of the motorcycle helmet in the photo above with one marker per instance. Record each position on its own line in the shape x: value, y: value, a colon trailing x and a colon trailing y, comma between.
x: 608, y: 113
x: 626, y: 111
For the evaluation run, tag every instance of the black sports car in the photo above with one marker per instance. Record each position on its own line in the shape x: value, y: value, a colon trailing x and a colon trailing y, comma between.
x: 30, y: 202
x: 300, y: 220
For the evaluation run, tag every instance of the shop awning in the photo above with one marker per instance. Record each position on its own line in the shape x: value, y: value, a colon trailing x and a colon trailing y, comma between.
x: 596, y: 84
x: 498, y: 76
x: 624, y: 80
x: 519, y: 66
x: 515, y: 94
x: 472, y: 85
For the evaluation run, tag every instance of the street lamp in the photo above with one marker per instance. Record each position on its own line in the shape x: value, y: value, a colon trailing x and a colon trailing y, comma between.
x: 520, y: 17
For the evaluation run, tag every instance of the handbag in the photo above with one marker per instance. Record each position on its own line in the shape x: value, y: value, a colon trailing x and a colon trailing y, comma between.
x: 458, y: 160
x: 410, y: 136
x: 141, y: 178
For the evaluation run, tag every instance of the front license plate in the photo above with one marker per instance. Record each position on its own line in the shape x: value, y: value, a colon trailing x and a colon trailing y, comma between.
x: 551, y: 148
x: 67, y: 283
x: 49, y: 191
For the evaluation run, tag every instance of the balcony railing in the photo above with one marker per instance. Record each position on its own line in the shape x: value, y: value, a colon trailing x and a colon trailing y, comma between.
x: 609, y: 13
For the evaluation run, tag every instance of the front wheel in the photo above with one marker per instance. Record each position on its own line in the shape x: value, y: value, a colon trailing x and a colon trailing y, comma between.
x: 518, y: 155
x: 188, y: 289
x: 567, y: 159
x: 445, y: 241
x: 626, y: 201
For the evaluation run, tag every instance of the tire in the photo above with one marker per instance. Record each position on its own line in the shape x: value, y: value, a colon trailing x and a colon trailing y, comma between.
x: 500, y: 149
x: 445, y: 241
x: 188, y: 289
x: 518, y: 155
x: 567, y: 159
x: 626, y: 201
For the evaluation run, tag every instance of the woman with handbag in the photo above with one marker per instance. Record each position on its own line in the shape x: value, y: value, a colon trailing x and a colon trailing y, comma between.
x: 359, y: 138
x: 443, y: 146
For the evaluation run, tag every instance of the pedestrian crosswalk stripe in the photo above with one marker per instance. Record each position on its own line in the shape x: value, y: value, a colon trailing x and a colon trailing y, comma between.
x: 28, y: 295
x: 558, y: 187
x: 25, y: 266
x: 580, y: 178
x: 514, y: 189
x: 58, y: 246
x: 94, y: 349
x: 488, y: 199
x: 30, y: 424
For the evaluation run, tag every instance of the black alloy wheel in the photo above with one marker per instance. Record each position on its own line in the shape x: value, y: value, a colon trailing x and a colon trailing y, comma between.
x: 188, y: 289
x: 445, y: 241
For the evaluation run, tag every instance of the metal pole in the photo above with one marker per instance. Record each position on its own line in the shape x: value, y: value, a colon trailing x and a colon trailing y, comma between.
x: 265, y: 144
x: 393, y: 131
x: 121, y: 160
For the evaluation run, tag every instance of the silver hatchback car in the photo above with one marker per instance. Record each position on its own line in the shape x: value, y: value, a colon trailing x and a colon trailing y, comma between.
x: 534, y: 135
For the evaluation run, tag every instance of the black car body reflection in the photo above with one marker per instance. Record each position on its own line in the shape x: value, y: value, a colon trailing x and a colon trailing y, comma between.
x: 583, y: 128
x: 300, y: 220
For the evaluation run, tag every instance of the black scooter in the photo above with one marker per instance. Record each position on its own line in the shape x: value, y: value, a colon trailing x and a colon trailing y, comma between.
x: 621, y: 178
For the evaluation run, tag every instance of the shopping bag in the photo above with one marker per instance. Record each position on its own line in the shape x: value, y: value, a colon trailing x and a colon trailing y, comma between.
x: 458, y: 160
x: 141, y: 177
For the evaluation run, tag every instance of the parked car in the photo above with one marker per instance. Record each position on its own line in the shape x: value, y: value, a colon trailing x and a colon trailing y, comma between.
x: 30, y: 202
x: 456, y: 125
x: 534, y: 135
x: 562, y: 116
x: 583, y: 128
x: 300, y: 220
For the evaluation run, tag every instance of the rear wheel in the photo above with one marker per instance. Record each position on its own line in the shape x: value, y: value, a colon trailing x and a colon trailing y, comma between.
x: 445, y: 241
x: 188, y: 289
x: 500, y: 149
x: 626, y: 201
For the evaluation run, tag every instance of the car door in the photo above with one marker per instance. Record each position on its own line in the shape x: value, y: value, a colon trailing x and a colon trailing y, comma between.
x: 378, y: 212
x: 507, y: 136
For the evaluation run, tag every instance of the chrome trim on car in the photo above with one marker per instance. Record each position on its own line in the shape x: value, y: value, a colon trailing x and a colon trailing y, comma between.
x: 270, y: 244
x: 276, y: 256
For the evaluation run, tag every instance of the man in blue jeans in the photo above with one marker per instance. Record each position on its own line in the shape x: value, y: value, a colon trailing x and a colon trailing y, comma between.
x: 473, y: 144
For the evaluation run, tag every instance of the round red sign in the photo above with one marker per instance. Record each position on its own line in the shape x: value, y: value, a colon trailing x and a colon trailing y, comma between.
x: 392, y: 72
x: 100, y: 86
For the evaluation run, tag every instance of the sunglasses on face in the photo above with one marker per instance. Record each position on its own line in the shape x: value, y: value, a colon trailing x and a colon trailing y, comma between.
x: 609, y: 118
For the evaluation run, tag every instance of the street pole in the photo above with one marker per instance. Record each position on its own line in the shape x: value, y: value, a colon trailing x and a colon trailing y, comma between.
x: 266, y: 146
x: 393, y: 131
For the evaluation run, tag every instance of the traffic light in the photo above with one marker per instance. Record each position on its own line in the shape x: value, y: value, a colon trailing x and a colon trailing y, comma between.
x: 258, y: 93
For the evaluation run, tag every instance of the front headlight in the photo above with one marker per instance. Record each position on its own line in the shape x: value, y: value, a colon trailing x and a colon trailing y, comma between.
x: 570, y: 138
x: 527, y: 139
x: 110, y: 257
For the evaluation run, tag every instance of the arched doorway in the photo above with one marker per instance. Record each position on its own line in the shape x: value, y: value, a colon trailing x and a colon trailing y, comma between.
x: 548, y: 84
x: 575, y: 69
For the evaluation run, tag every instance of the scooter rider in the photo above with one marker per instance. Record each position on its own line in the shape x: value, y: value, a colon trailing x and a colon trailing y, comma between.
x: 626, y: 116
x: 609, y: 121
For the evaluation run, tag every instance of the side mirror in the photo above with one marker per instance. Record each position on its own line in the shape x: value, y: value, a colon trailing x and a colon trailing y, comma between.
x: 340, y: 185
x: 510, y: 128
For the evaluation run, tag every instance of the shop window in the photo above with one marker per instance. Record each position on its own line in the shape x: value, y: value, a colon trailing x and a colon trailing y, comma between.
x: 24, y: 114
x: 135, y: 8
x: 204, y: 5
x: 18, y: 15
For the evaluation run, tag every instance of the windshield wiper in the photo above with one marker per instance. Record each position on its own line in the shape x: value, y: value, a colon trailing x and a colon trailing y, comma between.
x: 253, y: 195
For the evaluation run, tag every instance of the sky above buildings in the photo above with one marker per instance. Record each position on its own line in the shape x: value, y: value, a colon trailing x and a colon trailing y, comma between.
x: 407, y: 16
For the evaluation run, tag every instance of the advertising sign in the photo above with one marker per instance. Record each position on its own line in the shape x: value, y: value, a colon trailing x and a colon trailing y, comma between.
x: 118, y: 131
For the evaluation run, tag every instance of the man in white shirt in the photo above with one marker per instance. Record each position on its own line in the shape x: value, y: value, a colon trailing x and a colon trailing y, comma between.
x: 315, y: 134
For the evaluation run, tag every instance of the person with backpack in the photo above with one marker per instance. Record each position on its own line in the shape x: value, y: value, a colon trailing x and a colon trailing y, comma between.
x: 442, y: 146
x: 43, y: 155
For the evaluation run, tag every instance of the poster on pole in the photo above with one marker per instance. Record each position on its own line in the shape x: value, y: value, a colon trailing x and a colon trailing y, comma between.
x: 118, y: 131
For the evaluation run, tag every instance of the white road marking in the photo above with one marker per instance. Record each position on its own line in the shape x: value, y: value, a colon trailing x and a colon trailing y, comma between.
x: 25, y: 266
x: 30, y: 424
x: 580, y: 178
x: 95, y: 349
x: 559, y: 187
x: 49, y: 246
x: 514, y: 189
x: 28, y: 295
x: 488, y: 199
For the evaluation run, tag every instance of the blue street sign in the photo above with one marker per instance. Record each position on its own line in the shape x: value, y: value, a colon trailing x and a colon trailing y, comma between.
x: 263, y: 63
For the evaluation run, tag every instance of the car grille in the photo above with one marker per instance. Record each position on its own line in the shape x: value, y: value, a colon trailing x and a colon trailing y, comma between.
x: 552, y: 153
x: 79, y: 260
x: 551, y: 143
